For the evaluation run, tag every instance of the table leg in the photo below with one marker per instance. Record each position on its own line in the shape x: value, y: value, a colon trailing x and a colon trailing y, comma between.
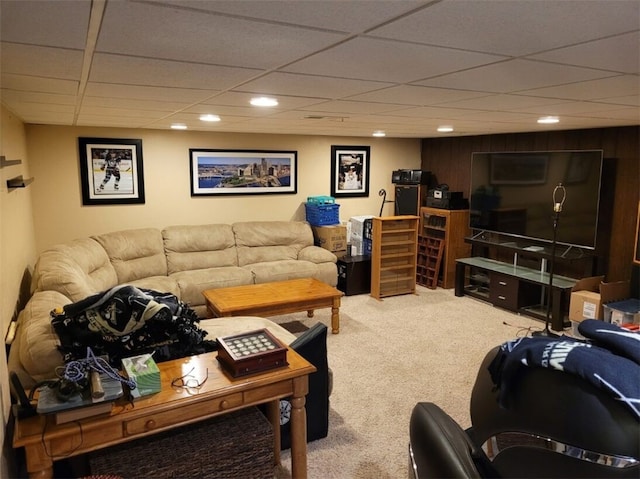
x: 39, y: 464
x: 299, y: 428
x: 335, y: 316
x: 310, y: 313
x: 273, y: 413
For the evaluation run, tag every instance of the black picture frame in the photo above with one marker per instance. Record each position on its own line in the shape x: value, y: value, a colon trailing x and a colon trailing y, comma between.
x: 111, y: 171
x: 350, y: 171
x: 242, y: 172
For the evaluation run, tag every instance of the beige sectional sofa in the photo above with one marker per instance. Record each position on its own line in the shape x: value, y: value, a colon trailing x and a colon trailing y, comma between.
x: 183, y: 260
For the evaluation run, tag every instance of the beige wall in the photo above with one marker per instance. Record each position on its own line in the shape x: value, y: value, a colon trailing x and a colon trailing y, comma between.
x: 17, y: 243
x: 59, y: 215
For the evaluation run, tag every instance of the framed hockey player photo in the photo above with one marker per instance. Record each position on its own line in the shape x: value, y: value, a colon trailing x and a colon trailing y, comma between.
x: 111, y: 171
x: 350, y: 171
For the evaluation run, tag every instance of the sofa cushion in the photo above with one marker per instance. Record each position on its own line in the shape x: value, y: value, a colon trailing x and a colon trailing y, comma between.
x: 76, y: 269
x: 263, y: 241
x: 135, y: 253
x: 196, y: 247
x: 163, y: 284
x: 317, y: 255
x: 36, y: 342
x: 193, y: 283
x: 282, y: 270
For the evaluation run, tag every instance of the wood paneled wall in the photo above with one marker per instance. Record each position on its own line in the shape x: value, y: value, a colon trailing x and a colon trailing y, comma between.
x: 449, y: 159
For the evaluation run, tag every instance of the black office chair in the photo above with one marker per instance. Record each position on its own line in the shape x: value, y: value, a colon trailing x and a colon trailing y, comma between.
x: 556, y: 425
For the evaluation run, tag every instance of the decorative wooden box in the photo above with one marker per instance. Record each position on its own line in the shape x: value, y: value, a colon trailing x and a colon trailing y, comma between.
x: 251, y: 352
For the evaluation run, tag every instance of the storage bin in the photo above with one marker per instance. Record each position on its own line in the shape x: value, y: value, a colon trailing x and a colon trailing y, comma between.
x: 623, y: 312
x: 322, y: 214
x: 321, y: 200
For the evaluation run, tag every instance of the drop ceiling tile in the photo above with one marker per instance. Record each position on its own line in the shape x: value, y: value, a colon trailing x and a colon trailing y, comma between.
x: 17, y: 96
x: 514, y: 76
x: 109, y: 90
x: 128, y: 103
x: 59, y: 63
x: 45, y: 22
x: 501, y: 102
x: 618, y: 54
x: 347, y: 16
x: 241, y: 100
x: 36, y: 116
x: 630, y: 100
x: 90, y: 119
x: 10, y: 81
x: 415, y: 95
x: 279, y: 83
x: 591, y: 89
x: 630, y: 114
x: 195, y: 36
x: 571, y: 108
x: 118, y: 111
x: 149, y: 72
x: 389, y: 61
x: 352, y: 107
x: 509, y: 27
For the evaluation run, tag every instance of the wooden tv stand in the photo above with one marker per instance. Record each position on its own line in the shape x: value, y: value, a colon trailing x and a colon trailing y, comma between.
x: 513, y: 287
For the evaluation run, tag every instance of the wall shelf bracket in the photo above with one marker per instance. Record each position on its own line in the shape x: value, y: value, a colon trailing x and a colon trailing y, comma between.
x: 19, y: 182
x: 4, y: 162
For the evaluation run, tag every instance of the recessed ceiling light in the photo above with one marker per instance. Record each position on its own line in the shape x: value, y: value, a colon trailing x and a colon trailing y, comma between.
x: 379, y: 133
x: 445, y: 129
x: 263, y: 101
x: 209, y: 117
x: 548, y: 120
x: 178, y: 126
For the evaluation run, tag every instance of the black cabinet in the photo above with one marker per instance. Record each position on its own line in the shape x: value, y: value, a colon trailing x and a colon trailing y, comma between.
x: 354, y: 275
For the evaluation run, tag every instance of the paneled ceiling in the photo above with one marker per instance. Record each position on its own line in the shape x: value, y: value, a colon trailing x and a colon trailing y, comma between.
x: 337, y: 67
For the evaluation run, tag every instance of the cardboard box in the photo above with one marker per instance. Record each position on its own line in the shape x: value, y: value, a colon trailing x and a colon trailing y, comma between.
x: 585, y: 305
x: 332, y: 238
x: 590, y: 294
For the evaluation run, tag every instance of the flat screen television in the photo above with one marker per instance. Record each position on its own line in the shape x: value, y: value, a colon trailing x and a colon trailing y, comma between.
x: 512, y: 194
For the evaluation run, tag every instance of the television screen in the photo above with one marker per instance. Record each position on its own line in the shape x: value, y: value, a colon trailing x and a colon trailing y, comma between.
x: 513, y: 193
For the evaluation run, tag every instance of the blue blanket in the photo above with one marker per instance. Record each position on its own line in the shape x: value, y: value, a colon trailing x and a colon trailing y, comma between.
x: 611, y: 365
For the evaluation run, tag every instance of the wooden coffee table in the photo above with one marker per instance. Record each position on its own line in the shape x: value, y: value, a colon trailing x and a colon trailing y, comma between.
x: 279, y: 297
x: 174, y: 406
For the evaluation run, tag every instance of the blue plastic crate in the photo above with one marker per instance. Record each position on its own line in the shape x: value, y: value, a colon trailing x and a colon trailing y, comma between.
x: 322, y: 214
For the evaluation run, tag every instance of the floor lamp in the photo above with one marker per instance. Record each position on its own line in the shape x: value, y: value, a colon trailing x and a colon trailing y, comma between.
x: 559, y: 195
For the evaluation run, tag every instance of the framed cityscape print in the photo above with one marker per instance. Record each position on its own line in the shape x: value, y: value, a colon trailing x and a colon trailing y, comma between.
x: 350, y: 171
x: 243, y: 172
x: 111, y: 171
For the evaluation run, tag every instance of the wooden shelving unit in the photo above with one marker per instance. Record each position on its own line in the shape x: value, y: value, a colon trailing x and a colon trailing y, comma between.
x: 451, y: 226
x: 394, y: 255
x: 429, y: 260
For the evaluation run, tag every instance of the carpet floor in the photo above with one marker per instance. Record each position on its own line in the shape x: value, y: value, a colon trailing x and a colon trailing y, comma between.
x: 388, y: 356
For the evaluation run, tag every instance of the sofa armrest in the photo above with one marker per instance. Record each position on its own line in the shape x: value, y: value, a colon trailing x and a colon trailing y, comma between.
x: 440, y: 447
x: 317, y: 255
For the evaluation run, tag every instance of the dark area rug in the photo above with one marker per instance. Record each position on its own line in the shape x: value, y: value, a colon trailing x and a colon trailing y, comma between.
x: 294, y: 327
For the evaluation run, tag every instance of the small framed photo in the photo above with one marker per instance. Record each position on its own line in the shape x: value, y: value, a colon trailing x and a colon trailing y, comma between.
x: 243, y: 172
x: 350, y: 171
x: 111, y: 171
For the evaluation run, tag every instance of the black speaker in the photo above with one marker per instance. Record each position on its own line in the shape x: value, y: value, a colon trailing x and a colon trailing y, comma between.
x: 409, y: 199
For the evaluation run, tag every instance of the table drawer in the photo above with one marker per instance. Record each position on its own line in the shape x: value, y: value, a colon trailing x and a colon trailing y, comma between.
x: 181, y: 414
x: 503, y: 291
